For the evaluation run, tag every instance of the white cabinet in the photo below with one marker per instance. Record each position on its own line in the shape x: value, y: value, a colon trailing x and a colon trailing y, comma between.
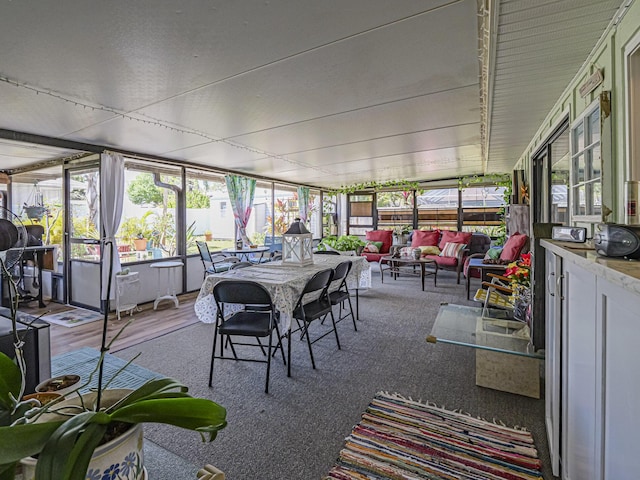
x: 580, y: 405
x: 619, y: 329
x: 553, y: 322
x: 592, y: 368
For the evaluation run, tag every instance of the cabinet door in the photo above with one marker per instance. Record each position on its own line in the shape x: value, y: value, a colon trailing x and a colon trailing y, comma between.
x: 580, y: 405
x: 553, y: 305
x: 619, y: 324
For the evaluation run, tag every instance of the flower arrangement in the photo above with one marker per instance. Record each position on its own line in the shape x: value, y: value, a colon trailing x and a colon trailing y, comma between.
x: 518, y: 272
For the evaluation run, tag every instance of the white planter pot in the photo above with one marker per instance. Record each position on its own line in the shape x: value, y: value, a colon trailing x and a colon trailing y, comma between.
x: 123, y: 453
x: 44, y: 385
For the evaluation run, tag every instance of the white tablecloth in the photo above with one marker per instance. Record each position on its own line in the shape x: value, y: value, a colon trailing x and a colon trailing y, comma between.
x: 284, y: 282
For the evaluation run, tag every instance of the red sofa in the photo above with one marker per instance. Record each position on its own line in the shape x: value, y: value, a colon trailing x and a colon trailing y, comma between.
x: 475, y: 242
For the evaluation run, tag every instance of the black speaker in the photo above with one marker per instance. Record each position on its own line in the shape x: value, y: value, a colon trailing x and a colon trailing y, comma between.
x: 612, y: 240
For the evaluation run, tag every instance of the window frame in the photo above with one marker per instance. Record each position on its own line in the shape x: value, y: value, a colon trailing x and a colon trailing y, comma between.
x: 589, y: 180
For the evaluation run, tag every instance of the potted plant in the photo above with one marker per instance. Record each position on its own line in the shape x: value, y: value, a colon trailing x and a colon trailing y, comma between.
x: 65, y: 444
x: 208, y: 236
x: 345, y: 244
x: 140, y: 243
x: 401, y: 233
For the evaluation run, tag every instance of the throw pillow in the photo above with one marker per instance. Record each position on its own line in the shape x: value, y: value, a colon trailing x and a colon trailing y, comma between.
x: 384, y: 236
x: 429, y: 250
x: 449, y: 236
x: 493, y: 253
x: 425, y: 238
x: 452, y: 249
x: 513, y: 248
x: 372, y: 247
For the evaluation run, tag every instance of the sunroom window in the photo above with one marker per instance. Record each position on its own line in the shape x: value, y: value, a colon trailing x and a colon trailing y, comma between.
x: 586, y: 166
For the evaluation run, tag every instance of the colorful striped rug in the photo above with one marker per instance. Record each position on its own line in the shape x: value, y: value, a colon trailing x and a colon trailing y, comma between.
x: 404, y: 440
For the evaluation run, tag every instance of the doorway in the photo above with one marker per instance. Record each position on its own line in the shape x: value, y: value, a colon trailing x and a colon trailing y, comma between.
x: 551, y: 178
x: 82, y: 238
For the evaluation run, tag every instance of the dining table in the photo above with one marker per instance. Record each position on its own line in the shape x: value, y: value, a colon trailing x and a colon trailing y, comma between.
x: 285, y: 282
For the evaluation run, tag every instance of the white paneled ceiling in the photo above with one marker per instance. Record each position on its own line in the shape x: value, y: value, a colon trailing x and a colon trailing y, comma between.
x: 539, y: 47
x: 323, y: 93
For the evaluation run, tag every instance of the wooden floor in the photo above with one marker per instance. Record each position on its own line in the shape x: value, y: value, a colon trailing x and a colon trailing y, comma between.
x: 144, y: 325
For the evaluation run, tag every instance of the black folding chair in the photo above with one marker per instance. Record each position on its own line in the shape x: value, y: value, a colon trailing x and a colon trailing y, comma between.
x: 257, y: 318
x: 341, y: 295
x: 305, y: 312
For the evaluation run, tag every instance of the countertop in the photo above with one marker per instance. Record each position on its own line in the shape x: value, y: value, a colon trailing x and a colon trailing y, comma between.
x: 621, y: 272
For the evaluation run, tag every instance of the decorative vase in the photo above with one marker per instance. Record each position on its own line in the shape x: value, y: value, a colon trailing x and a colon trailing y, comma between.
x: 124, y: 453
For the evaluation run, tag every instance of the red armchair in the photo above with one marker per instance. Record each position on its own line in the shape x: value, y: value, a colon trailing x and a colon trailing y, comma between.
x: 384, y: 236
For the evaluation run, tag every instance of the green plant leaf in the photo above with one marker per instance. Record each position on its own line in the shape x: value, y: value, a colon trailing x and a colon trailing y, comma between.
x: 19, y: 441
x: 10, y: 381
x: 8, y: 472
x: 151, y: 389
x: 56, y: 460
x: 191, y: 413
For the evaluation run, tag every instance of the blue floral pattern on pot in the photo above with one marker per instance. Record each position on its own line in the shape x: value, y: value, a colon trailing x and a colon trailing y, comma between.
x: 129, y: 468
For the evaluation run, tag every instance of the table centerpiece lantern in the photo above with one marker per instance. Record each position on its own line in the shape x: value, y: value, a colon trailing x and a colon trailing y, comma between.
x: 297, y: 245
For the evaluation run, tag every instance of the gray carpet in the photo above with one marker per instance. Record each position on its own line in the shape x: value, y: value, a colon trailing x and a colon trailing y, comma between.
x: 297, y: 430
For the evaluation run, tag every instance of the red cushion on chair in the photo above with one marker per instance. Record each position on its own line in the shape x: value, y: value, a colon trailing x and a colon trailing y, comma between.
x: 425, y: 238
x: 512, y: 249
x: 384, y: 236
x: 444, y: 261
x: 454, y: 237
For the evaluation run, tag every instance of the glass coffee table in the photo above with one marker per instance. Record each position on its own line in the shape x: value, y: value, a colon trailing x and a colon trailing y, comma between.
x: 398, y: 265
x: 505, y: 357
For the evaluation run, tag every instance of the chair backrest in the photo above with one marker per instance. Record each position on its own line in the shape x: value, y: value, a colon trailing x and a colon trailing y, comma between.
x: 240, y: 265
x: 326, y: 252
x: 320, y: 280
x: 342, y: 270
x: 244, y: 292
x: 205, y: 255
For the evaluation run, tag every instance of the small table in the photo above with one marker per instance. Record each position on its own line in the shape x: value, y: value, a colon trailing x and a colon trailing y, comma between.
x: 505, y: 357
x: 395, y: 264
x: 170, y: 268
x: 245, y: 252
x: 483, y: 268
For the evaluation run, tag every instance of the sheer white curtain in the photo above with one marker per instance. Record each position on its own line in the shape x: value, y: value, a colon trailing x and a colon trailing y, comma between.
x: 111, y: 201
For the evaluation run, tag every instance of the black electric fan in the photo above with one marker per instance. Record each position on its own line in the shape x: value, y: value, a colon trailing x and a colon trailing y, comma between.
x: 13, y: 240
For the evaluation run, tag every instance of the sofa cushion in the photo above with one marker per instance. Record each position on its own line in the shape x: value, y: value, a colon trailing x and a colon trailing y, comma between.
x: 374, y: 257
x: 425, y: 238
x: 513, y: 248
x: 384, y: 236
x: 449, y: 236
x: 444, y: 261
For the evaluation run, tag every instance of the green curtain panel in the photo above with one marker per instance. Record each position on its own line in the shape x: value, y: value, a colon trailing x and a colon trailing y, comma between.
x: 241, y: 191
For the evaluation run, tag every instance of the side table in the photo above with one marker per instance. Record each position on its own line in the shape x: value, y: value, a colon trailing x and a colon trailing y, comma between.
x: 484, y: 269
x: 127, y: 290
x: 170, y: 268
